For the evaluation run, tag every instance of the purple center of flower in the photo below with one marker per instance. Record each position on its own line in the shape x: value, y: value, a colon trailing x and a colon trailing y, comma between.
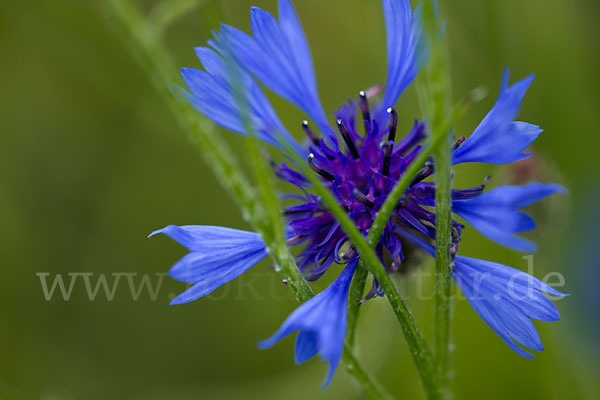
x: 361, y: 170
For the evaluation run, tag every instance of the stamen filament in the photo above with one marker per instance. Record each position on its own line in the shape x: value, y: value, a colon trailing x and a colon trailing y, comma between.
x: 310, y: 133
x: 387, y: 153
x: 364, y: 108
x: 428, y: 170
x: 318, y: 170
x: 358, y: 195
x: 393, y: 123
x: 349, y: 143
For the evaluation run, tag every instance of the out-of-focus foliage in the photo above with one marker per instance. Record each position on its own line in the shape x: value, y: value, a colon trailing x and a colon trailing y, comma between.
x: 91, y: 161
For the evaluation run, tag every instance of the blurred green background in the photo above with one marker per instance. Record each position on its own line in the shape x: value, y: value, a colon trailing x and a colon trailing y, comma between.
x: 91, y: 161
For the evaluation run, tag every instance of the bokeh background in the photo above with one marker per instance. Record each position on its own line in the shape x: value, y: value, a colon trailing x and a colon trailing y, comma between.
x: 91, y: 161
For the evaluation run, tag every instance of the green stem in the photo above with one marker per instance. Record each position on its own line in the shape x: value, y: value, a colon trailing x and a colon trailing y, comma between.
x: 164, y: 13
x: 218, y: 156
x: 357, y: 288
x: 434, y: 95
x: 269, y: 215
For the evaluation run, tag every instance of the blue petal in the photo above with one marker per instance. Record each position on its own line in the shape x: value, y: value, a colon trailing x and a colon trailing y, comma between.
x: 206, y: 238
x: 491, y: 318
x: 279, y: 56
x: 496, y: 213
x: 403, y: 32
x: 539, y: 307
x: 518, y: 281
x: 218, y: 255
x: 519, y: 196
x: 291, y: 27
x: 504, y: 297
x: 212, y: 93
x: 306, y: 346
x: 215, y: 266
x: 321, y: 323
x: 499, y: 139
x: 420, y: 242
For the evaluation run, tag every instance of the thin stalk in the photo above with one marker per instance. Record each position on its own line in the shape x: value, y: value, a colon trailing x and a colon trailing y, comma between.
x: 219, y: 157
x: 357, y: 288
x: 164, y: 13
x: 273, y: 231
x: 434, y: 94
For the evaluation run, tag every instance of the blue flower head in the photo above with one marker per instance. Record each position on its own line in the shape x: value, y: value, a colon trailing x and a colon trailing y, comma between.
x: 360, y: 154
